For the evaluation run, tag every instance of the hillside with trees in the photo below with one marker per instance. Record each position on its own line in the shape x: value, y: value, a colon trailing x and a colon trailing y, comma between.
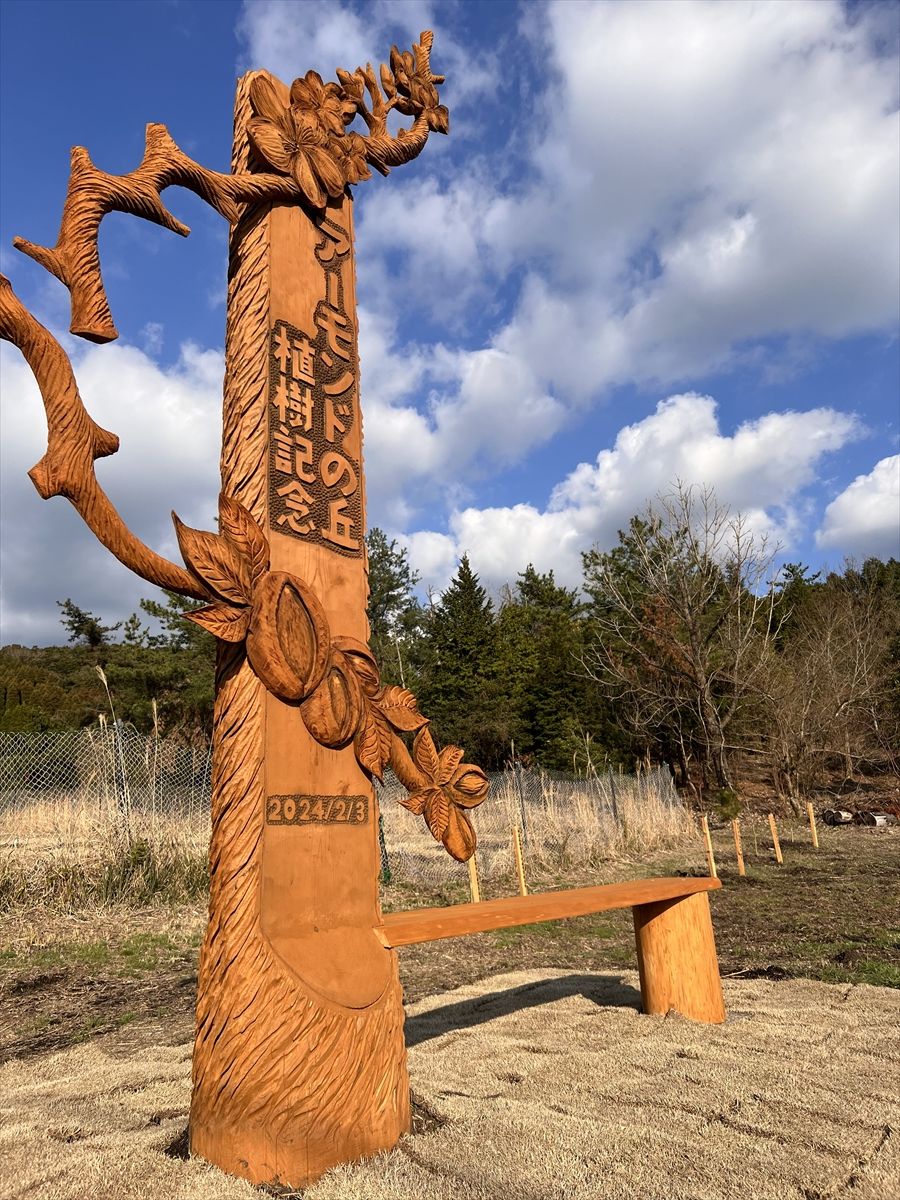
x: 684, y: 646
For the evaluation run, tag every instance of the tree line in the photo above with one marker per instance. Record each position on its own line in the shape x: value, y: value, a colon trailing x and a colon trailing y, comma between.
x: 684, y: 645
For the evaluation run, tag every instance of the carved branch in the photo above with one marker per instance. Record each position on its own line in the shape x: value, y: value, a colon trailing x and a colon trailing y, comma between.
x: 92, y: 193
x: 74, y: 442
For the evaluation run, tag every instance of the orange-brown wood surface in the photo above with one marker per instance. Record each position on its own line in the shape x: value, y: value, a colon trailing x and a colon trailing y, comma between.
x: 677, y: 958
x: 299, y: 1062
x: 429, y: 924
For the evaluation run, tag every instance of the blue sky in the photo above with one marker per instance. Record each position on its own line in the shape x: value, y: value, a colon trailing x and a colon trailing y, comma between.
x: 660, y: 243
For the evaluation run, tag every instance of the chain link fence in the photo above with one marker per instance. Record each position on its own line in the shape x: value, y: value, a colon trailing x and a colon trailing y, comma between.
x: 65, y: 790
x: 72, y: 790
x: 564, y: 821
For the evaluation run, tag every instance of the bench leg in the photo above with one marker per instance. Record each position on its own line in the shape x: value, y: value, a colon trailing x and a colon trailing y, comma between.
x: 677, y: 958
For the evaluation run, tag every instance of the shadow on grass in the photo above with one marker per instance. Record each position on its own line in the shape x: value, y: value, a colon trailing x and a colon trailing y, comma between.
x: 606, y: 991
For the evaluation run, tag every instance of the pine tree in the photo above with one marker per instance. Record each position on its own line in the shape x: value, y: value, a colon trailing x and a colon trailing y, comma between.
x: 461, y: 691
x: 395, y: 615
x: 84, y: 627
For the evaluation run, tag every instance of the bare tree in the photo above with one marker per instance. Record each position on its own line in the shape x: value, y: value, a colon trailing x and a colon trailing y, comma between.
x: 683, y: 620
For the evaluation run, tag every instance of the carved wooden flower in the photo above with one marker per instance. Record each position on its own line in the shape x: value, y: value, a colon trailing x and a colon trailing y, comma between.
x: 351, y: 150
x: 295, y: 140
x: 450, y: 787
x: 325, y: 101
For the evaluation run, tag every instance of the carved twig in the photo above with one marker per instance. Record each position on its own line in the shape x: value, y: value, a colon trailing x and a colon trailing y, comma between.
x: 74, y: 442
x: 92, y: 193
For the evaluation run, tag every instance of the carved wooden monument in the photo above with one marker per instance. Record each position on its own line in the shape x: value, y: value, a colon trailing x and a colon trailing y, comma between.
x: 299, y: 1060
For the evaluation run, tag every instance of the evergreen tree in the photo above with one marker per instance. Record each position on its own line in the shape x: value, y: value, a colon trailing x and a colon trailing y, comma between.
x: 84, y: 627
x: 558, y: 711
x: 395, y: 616
x: 461, y: 691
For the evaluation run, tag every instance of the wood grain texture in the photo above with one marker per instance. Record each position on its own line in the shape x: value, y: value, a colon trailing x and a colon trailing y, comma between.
x: 430, y: 924
x: 313, y: 157
x: 286, y: 1082
x: 74, y: 442
x: 677, y: 957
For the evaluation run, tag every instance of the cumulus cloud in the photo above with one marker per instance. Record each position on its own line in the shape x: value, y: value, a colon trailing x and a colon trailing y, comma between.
x: 699, y: 177
x: 169, y: 422
x: 864, y: 520
x: 761, y: 469
x: 285, y: 37
x: 437, y: 417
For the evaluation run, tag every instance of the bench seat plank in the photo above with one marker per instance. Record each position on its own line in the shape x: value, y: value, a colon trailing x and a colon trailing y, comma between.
x: 429, y: 924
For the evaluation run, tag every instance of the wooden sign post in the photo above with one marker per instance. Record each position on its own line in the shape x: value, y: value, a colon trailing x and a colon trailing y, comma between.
x: 299, y: 1060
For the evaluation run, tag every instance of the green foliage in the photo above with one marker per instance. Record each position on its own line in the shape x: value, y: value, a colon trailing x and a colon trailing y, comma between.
x: 728, y: 803
x: 395, y: 615
x: 57, y: 687
x: 461, y: 690
x: 84, y: 627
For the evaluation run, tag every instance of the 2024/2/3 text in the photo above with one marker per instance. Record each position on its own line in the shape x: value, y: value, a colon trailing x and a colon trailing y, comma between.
x: 308, y: 810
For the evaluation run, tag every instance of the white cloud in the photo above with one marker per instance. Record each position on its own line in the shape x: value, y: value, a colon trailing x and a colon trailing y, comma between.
x: 436, y: 418
x: 699, y: 176
x: 288, y: 38
x: 864, y: 520
x: 169, y: 423
x: 761, y: 470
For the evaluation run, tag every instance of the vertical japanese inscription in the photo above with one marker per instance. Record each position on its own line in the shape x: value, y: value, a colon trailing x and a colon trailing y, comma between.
x: 314, y: 476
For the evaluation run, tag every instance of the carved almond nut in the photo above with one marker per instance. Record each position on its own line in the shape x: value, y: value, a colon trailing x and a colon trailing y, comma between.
x: 333, y: 712
x: 289, y: 638
x: 468, y: 786
x: 459, y: 836
x: 363, y: 662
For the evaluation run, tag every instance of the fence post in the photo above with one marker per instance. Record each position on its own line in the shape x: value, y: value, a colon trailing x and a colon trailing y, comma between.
x: 738, y: 848
x: 520, y: 866
x: 775, y: 842
x: 474, y: 889
x: 516, y: 766
x: 612, y: 792
x: 812, y: 825
x: 710, y: 857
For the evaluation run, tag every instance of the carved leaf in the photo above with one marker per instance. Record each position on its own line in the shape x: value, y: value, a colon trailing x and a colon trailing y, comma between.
x: 264, y: 99
x: 437, y: 813
x: 401, y: 709
x: 459, y: 839
x: 227, y: 624
x: 268, y: 139
x: 450, y: 758
x: 416, y: 801
x: 373, y: 743
x: 425, y: 755
x: 237, y: 524
x: 215, y: 562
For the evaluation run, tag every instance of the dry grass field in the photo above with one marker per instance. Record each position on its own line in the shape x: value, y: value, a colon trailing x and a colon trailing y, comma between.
x: 550, y: 1066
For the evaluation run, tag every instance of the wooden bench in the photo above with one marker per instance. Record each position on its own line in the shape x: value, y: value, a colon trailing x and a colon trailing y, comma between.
x: 676, y: 951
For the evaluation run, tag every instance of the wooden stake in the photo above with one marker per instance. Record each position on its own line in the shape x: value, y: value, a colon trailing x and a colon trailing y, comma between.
x: 520, y: 866
x: 710, y: 858
x: 738, y: 848
x: 473, y: 881
x: 775, y: 841
x: 812, y: 825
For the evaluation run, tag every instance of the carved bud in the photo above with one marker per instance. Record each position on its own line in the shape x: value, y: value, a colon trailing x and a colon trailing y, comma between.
x: 333, y: 712
x: 289, y: 637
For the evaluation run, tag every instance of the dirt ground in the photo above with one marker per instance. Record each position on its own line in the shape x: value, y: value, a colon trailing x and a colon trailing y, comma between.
x: 120, y: 984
